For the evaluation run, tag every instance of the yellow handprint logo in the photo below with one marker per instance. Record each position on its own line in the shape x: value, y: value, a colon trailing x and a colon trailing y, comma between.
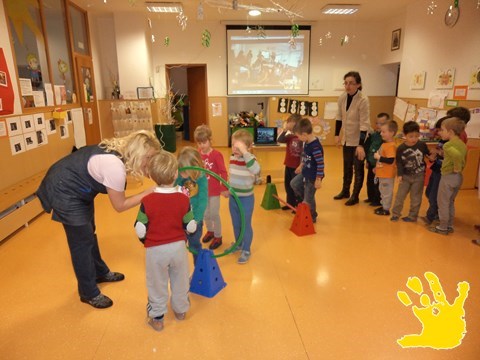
x: 443, y: 323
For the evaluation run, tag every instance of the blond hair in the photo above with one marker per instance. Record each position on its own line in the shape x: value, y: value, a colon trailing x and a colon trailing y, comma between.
x: 133, y: 150
x: 455, y: 124
x: 202, y: 133
x: 163, y: 168
x: 243, y: 136
x: 190, y: 156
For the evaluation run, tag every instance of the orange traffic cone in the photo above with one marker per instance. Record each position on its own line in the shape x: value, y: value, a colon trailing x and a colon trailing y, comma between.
x: 302, y: 222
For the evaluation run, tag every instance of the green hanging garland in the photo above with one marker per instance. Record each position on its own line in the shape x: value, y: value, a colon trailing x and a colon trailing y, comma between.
x: 206, y: 36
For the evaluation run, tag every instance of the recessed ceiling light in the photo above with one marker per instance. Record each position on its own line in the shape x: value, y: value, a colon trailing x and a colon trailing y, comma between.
x: 340, y: 9
x: 254, y: 12
x: 163, y: 7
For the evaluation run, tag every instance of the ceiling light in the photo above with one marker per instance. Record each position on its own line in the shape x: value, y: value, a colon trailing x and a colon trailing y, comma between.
x: 340, y: 9
x: 254, y: 12
x: 163, y: 7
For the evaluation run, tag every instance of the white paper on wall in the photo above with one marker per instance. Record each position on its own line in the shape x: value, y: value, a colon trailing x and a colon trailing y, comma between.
x: 473, y: 126
x: 400, y: 108
x: 78, y: 128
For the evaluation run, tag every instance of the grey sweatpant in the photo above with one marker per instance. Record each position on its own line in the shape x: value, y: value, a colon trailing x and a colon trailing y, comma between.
x: 447, y: 191
x: 385, y: 185
x: 412, y: 184
x: 211, y: 217
x: 164, y: 263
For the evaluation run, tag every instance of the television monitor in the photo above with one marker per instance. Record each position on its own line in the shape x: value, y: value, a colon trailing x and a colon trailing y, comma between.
x: 265, y: 136
x: 268, y: 64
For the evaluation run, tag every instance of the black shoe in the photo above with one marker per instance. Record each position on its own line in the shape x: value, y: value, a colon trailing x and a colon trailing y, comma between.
x: 110, y: 277
x: 375, y: 203
x: 342, y: 195
x: 352, y: 201
x: 367, y: 201
x: 100, y: 301
x: 382, y: 211
x: 285, y: 207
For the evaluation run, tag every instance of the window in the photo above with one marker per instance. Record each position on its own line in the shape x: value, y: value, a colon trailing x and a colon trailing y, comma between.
x: 40, y: 39
x: 79, y: 30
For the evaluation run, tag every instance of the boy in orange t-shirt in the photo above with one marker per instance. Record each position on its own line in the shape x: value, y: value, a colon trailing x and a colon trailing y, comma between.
x: 386, y: 168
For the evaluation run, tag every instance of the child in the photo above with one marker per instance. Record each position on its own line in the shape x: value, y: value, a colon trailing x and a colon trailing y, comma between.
x: 213, y: 161
x: 310, y: 172
x: 195, y: 183
x: 411, y: 172
x: 160, y: 227
x: 372, y: 144
x: 454, y: 157
x: 386, y: 168
x: 434, y: 180
x: 242, y: 170
x: 462, y: 114
x: 292, y: 157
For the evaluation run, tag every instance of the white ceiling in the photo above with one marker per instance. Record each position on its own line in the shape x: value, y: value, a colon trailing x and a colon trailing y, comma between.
x: 307, y: 10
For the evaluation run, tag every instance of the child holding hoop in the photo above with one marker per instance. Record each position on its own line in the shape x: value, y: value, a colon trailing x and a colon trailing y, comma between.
x: 195, y: 184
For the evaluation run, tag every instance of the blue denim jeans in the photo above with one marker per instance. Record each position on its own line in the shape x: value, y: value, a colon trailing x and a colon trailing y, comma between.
x: 431, y: 192
x: 305, y: 190
x: 86, y: 259
x: 247, y: 202
x: 194, y: 241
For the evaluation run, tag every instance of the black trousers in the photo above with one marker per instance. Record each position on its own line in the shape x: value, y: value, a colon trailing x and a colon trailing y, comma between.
x: 373, y: 192
x: 291, y: 197
x: 86, y: 259
x: 351, y: 166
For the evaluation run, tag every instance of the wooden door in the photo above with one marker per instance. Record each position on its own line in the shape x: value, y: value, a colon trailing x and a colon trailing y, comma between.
x: 197, y: 95
x: 88, y: 98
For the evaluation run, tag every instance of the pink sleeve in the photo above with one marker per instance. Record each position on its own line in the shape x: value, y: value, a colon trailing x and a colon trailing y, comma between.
x: 108, y: 170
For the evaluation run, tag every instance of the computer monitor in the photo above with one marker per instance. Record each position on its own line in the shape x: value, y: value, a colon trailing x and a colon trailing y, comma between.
x: 265, y: 136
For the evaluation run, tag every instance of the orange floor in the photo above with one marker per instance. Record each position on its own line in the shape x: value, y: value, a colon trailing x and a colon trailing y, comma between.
x: 332, y: 295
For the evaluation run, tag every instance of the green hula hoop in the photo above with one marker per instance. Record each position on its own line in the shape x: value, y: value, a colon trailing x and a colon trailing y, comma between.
x: 237, y: 200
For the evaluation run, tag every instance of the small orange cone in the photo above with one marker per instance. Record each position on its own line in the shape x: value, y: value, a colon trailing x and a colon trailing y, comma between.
x: 302, y: 222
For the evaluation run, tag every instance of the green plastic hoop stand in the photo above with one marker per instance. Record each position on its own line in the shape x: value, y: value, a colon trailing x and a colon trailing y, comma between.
x: 237, y: 200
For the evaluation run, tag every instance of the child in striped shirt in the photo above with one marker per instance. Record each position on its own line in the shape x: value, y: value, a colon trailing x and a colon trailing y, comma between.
x: 242, y: 170
x: 311, y: 170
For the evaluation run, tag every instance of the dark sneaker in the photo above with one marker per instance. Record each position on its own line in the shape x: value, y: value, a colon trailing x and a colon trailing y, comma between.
x: 244, y: 257
x: 156, y: 323
x: 217, y: 241
x: 426, y: 220
x: 100, y: 301
x: 352, y: 201
x: 394, y: 218
x: 367, y: 201
x: 111, y: 277
x: 409, y: 219
x: 285, y: 207
x: 342, y: 195
x: 382, y: 211
x: 208, y: 237
x: 179, y: 316
x: 450, y: 229
x: 438, y: 230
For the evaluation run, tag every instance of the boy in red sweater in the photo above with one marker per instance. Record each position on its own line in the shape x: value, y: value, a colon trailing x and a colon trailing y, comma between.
x: 161, y: 222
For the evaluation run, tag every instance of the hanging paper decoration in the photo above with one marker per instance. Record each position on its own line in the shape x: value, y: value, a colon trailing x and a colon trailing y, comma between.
x: 431, y: 7
x: 149, y: 23
x: 292, y: 43
x: 261, y: 32
x: 206, y: 38
x: 153, y: 38
x: 344, y: 40
x: 320, y: 42
x: 200, y: 11
x: 166, y: 41
x: 235, y: 4
x: 295, y: 30
x: 248, y: 30
x: 182, y: 20
x: 328, y: 35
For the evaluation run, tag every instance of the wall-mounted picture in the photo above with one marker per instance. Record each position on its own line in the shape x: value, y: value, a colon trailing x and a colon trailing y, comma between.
x: 14, y: 126
x: 474, y: 82
x: 418, y: 80
x: 51, y: 127
x: 64, y: 134
x: 445, y: 78
x: 3, y: 79
x: 42, y: 138
x: 39, y: 120
x: 3, y: 129
x: 396, y: 39
x: 30, y: 140
x: 17, y: 144
x: 282, y: 105
x: 27, y: 123
x: 460, y: 92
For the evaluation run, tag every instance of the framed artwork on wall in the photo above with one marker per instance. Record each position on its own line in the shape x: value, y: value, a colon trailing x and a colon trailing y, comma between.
x: 474, y: 82
x: 396, y: 39
x: 418, y: 80
x: 445, y: 78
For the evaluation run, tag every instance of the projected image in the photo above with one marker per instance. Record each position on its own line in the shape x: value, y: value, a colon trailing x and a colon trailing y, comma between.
x: 267, y: 65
